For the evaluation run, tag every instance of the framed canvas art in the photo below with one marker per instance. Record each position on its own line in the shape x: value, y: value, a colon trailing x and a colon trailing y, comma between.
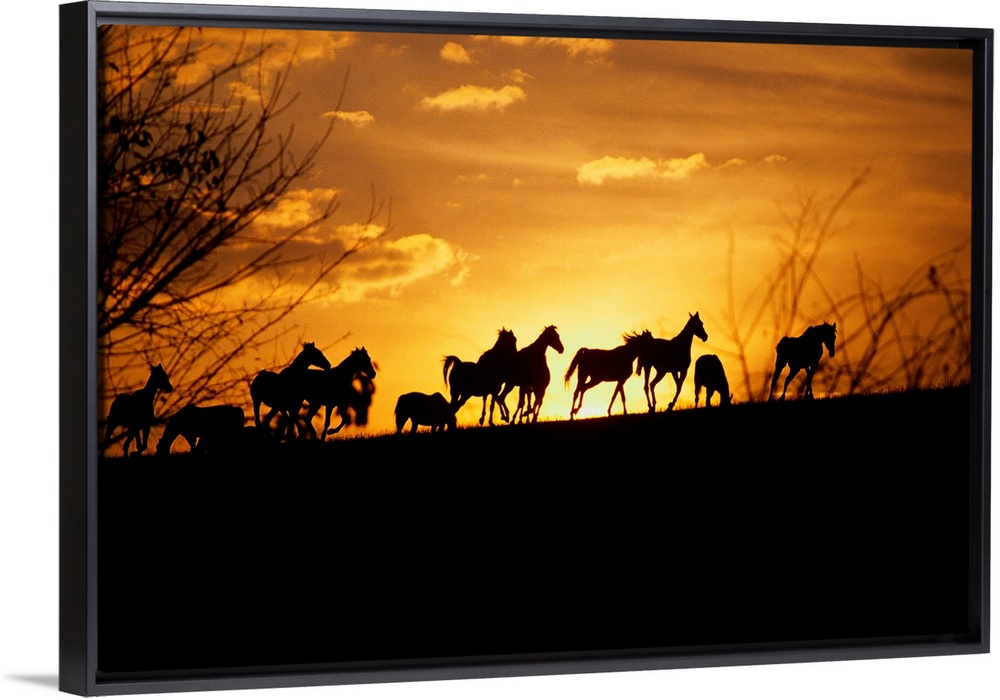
x: 422, y: 345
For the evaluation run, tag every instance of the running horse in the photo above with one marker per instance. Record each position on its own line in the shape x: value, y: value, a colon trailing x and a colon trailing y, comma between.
x: 671, y: 356
x: 531, y: 375
x: 803, y: 353
x: 284, y: 391
x: 594, y: 366
x: 485, y: 377
x: 334, y: 389
x: 134, y: 411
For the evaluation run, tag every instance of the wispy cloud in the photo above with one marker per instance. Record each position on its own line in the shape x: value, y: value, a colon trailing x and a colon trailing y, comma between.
x: 585, y: 47
x: 387, y: 267
x: 358, y: 119
x: 775, y: 158
x: 296, y: 208
x: 519, y: 76
x: 455, y: 53
x: 597, y: 172
x: 475, y: 98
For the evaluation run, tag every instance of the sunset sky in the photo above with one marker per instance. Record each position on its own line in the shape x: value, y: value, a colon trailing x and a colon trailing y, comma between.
x: 596, y: 185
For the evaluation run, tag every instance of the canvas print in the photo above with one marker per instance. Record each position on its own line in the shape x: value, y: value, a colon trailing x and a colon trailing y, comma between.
x: 549, y: 344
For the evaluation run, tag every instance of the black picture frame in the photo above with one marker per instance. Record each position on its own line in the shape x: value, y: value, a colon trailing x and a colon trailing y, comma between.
x: 81, y: 670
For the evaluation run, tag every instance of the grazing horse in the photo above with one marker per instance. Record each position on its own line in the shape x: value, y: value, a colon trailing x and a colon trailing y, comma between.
x: 334, y: 389
x: 205, y: 428
x: 803, y: 352
x: 531, y: 375
x: 432, y: 410
x: 134, y: 411
x: 673, y: 356
x: 284, y: 391
x: 485, y: 377
x: 596, y: 366
x: 710, y: 374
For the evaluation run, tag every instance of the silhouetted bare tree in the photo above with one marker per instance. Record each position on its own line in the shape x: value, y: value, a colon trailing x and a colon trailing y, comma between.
x: 912, y: 335
x: 193, y: 148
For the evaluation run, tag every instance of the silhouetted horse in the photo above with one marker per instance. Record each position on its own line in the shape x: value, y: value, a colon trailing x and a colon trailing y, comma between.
x: 334, y: 389
x: 709, y: 373
x: 673, y: 356
x: 134, y: 411
x: 205, y: 428
x: 803, y: 352
x: 432, y: 410
x: 596, y: 366
x: 284, y: 391
x: 530, y: 373
x: 485, y: 377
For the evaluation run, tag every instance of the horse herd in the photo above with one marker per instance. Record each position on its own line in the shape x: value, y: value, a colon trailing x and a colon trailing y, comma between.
x: 295, y: 395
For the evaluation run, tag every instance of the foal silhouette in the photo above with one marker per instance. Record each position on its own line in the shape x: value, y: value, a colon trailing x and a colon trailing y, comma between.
x: 594, y: 366
x: 134, y: 411
x: 803, y: 353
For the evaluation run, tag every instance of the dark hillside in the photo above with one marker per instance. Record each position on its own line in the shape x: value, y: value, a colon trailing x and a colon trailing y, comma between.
x: 831, y: 519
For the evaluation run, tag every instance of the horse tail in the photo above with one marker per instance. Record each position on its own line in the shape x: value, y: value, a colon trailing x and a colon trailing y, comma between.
x: 449, y: 362
x: 573, y: 365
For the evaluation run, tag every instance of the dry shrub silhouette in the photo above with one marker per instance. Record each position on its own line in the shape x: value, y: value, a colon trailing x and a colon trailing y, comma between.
x: 187, y: 163
x: 910, y: 335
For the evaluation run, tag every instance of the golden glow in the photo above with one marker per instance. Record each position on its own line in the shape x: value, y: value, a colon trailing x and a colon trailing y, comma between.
x: 605, y: 187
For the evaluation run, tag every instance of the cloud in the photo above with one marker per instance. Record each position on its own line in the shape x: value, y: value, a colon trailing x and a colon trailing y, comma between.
x: 359, y: 119
x: 387, y: 267
x: 733, y: 163
x: 775, y: 158
x: 596, y: 172
x: 590, y: 48
x: 519, y: 76
x: 296, y: 208
x: 455, y: 53
x: 587, y: 47
x: 476, y: 98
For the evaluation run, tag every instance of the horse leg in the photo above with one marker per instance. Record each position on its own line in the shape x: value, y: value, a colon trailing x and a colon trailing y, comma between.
x: 581, y: 387
x: 493, y: 403
x: 778, y: 366
x: 651, y: 398
x: 518, y: 414
x: 502, y: 398
x: 265, y: 423
x: 807, y: 389
x: 536, y: 409
x: 679, y: 382
x: 342, y: 410
x: 650, y: 402
x: 142, y: 440
x: 129, y: 437
x: 792, y: 371
x: 577, y: 398
x: 619, y: 390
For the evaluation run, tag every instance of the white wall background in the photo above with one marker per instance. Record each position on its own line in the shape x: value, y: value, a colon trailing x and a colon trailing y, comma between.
x: 29, y: 390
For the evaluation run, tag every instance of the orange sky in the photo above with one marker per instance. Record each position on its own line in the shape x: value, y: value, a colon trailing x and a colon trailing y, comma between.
x: 598, y: 185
